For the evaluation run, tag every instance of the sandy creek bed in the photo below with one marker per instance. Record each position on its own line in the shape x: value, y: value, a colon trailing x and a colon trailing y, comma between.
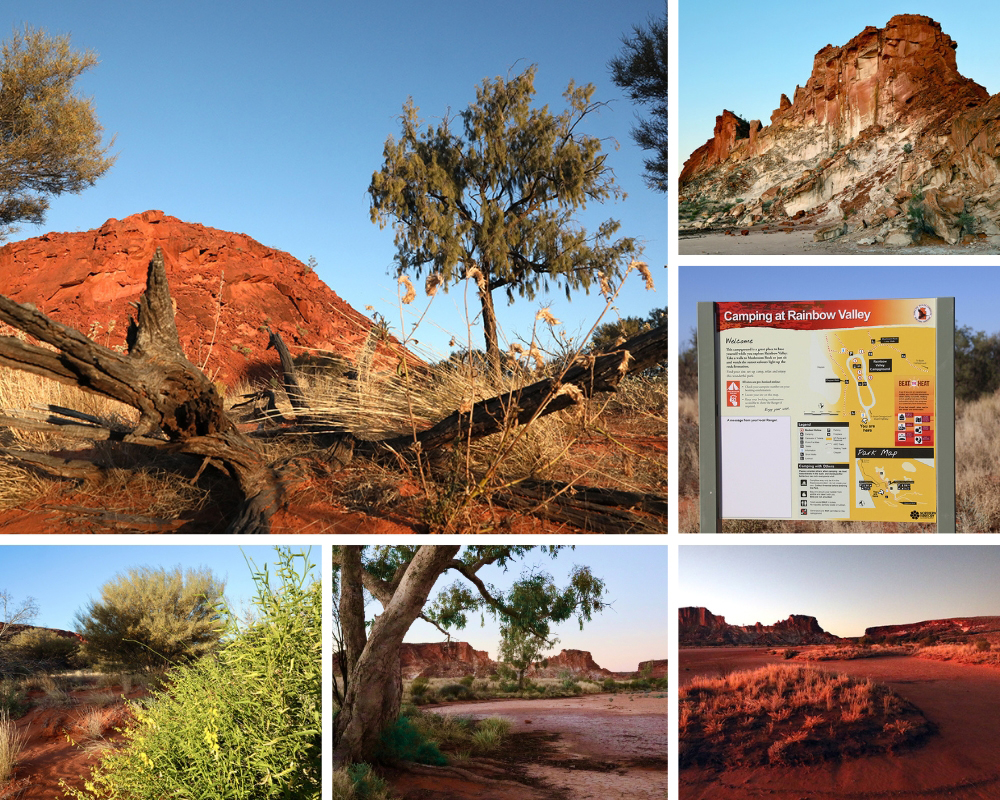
x: 598, y: 747
x: 961, y: 761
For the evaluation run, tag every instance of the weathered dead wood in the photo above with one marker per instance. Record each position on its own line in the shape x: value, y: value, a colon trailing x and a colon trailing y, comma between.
x: 594, y: 509
x: 600, y: 373
x: 54, y: 466
x: 291, y: 383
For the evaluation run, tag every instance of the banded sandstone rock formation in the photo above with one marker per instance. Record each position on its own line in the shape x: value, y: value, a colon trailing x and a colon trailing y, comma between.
x: 885, y: 140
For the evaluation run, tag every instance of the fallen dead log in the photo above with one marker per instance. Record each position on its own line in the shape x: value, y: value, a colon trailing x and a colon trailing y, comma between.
x: 592, y: 509
x: 181, y: 411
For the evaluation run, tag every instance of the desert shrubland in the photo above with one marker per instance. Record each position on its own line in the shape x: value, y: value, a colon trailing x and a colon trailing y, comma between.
x: 783, y: 714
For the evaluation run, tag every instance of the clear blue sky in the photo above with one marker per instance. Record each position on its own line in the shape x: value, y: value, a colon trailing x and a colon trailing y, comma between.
x: 847, y: 588
x: 633, y: 629
x: 64, y: 578
x: 742, y: 56
x: 974, y: 288
x: 269, y: 119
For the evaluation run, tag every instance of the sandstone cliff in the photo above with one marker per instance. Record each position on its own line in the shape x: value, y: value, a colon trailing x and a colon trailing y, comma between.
x: 579, y: 663
x: 886, y: 141
x: 955, y: 629
x: 443, y: 660
x: 699, y: 627
x: 227, y: 287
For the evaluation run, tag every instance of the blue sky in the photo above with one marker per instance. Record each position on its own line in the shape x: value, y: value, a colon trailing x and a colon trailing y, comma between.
x: 742, y: 56
x: 269, y: 119
x: 63, y: 578
x: 847, y: 588
x: 974, y: 288
x: 633, y: 629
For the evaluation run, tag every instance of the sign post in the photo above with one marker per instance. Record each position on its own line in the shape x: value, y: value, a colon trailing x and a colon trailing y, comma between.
x: 840, y: 410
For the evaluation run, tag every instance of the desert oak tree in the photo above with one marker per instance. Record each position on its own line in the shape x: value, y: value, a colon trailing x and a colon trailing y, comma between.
x: 641, y: 69
x: 50, y: 138
x: 151, y: 617
x: 497, y: 202
x: 401, y: 579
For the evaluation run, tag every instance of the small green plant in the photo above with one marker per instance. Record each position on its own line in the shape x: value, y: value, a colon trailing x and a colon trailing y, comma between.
x: 490, y: 733
x: 907, y: 147
x: 454, y: 691
x: 402, y: 741
x: 467, y: 681
x: 362, y: 784
x: 966, y: 223
x: 13, y: 700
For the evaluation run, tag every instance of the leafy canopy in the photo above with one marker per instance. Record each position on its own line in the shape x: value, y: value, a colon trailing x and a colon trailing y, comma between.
x: 641, y: 68
x: 501, y: 196
x: 152, y: 617
x: 50, y: 138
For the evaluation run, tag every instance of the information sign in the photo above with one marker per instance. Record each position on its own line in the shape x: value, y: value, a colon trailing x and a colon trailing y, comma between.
x: 828, y: 409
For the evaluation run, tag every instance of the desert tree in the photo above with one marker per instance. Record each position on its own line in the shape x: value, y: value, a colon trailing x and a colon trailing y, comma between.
x: 151, y: 617
x: 401, y: 579
x: 641, y: 69
x: 50, y: 138
x: 520, y: 648
x: 497, y: 202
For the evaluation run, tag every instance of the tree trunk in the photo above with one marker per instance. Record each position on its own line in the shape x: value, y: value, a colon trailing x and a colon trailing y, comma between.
x: 493, y: 357
x: 375, y: 690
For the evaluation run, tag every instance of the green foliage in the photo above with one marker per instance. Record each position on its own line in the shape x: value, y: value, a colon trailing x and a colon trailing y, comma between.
x: 498, y: 201
x: 13, y: 699
x: 641, y: 69
x: 50, y: 139
x: 401, y: 741
x: 609, y: 684
x: 43, y: 649
x: 977, y: 363
x: 520, y: 648
x: 907, y: 147
x: 454, y: 691
x: 364, y: 784
x: 467, y: 681
x: 608, y: 335
x: 966, y: 223
x: 151, y: 617
x: 241, y: 724
x: 419, y: 687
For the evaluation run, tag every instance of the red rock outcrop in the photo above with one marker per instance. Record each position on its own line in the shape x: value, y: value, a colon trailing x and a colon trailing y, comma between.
x: 729, y: 130
x: 579, y: 663
x: 699, y: 627
x: 443, y: 660
x: 950, y: 629
x: 656, y: 668
x: 13, y: 630
x: 227, y: 288
x: 880, y: 119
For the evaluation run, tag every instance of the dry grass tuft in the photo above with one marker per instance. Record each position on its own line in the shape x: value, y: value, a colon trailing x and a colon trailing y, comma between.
x: 11, y: 744
x: 977, y: 462
x: 962, y: 653
x: 782, y: 714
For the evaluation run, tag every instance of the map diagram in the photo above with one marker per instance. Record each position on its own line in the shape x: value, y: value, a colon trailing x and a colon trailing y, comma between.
x: 881, y: 383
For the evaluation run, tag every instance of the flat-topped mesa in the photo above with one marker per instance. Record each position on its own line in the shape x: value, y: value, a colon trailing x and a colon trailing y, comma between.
x: 882, y: 119
x: 951, y: 628
x: 698, y: 626
x: 443, y: 660
x: 579, y: 663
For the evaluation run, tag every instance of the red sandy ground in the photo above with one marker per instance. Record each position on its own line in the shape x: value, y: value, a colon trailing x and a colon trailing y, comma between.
x: 597, y: 747
x: 959, y: 762
x: 49, y: 756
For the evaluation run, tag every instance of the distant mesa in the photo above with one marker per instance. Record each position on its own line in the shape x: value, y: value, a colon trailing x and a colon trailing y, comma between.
x: 699, y: 627
x: 458, y: 659
x: 228, y: 289
x: 951, y: 629
x: 15, y: 629
x: 885, y: 131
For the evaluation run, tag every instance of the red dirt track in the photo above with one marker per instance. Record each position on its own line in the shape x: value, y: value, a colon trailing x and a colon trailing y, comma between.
x: 960, y: 761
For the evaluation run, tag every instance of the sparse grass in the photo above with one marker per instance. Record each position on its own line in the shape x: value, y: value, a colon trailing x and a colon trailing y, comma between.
x: 783, y: 714
x: 460, y: 735
x: 977, y: 464
x: 850, y: 653
x: 961, y: 653
x: 11, y: 744
x: 443, y: 690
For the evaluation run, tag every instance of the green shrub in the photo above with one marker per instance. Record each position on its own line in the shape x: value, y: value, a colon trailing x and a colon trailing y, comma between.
x: 508, y: 686
x: 42, y: 649
x: 609, y: 684
x: 419, y: 687
x: 454, y: 691
x: 362, y: 784
x: 490, y: 733
x: 982, y: 644
x: 13, y: 700
x: 241, y: 724
x: 401, y: 741
x: 467, y: 681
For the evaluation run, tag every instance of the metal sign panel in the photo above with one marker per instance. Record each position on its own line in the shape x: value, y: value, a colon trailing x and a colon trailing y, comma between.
x: 829, y: 409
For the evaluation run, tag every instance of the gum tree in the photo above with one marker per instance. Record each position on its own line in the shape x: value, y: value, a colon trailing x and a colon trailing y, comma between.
x: 400, y: 579
x: 497, y: 202
x: 50, y: 138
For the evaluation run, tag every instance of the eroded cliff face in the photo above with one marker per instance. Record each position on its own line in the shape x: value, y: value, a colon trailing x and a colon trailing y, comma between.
x: 579, y: 663
x: 698, y: 626
x: 885, y: 123
x: 955, y: 629
x: 443, y: 660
